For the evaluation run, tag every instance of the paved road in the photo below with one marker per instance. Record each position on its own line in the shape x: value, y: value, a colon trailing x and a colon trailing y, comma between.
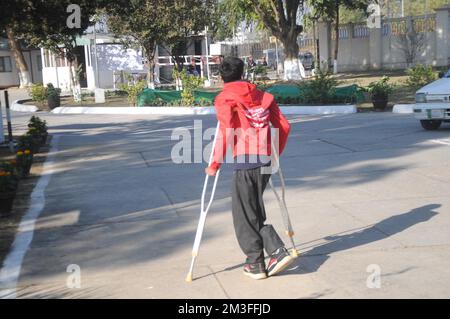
x: 366, y: 193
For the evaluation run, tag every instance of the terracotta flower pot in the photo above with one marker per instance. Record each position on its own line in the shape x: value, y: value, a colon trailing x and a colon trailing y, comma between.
x: 380, y: 104
x: 53, y: 102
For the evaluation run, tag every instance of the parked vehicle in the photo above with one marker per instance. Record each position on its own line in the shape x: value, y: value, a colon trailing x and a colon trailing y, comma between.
x: 432, y: 106
x: 307, y: 60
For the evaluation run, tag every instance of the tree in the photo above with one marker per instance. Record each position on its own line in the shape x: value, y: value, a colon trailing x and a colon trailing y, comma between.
x: 189, y: 17
x: 280, y: 18
x: 9, y: 22
x: 411, y: 43
x: 147, y: 23
x: 138, y: 23
x: 329, y: 10
x: 55, y: 25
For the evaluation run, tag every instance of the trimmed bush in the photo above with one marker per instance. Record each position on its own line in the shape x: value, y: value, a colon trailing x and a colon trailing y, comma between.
x: 419, y: 76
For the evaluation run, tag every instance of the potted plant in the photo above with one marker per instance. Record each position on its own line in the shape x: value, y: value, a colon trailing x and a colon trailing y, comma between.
x: 28, y: 142
x: 38, y: 129
x: 379, y: 92
x: 8, y: 184
x: 24, y: 159
x: 53, y: 96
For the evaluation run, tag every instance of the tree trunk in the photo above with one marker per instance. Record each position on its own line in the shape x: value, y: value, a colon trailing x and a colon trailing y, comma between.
x: 150, y: 55
x: 293, y: 68
x: 316, y: 47
x: 336, y: 43
x: 24, y: 74
x: 74, y: 79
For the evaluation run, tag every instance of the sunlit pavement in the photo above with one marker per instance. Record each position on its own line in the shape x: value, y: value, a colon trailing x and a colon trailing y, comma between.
x: 368, y: 196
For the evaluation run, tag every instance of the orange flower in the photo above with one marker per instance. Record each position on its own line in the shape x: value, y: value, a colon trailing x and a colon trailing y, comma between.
x: 27, y: 152
x: 3, y: 173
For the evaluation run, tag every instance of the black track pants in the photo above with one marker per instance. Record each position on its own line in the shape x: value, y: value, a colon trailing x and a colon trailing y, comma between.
x: 249, y: 215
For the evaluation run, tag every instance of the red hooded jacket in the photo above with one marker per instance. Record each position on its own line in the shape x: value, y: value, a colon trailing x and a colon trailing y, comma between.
x: 247, y: 111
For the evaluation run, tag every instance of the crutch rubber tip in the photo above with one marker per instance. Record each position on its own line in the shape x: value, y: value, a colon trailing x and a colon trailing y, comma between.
x: 189, y: 277
x: 294, y: 253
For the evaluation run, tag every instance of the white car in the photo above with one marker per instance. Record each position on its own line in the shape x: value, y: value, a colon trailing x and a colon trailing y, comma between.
x: 433, y: 103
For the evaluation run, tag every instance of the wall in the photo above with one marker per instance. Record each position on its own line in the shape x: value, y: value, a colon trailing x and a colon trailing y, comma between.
x: 9, y: 78
x: 112, y: 58
x: 12, y: 78
x: 58, y: 76
x: 362, y: 48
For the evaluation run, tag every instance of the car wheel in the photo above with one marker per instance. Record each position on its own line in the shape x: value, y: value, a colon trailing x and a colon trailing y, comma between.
x: 431, y: 125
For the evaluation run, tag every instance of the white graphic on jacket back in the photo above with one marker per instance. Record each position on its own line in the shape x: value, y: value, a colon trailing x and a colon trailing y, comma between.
x: 258, y: 117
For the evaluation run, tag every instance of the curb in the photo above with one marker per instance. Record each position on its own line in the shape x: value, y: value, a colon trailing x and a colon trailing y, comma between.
x: 403, y: 108
x: 18, y: 106
x: 300, y: 110
x: 319, y: 109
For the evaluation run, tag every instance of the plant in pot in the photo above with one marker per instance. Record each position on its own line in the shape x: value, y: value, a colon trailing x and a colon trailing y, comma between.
x: 24, y: 159
x: 38, y: 129
x: 53, y: 96
x: 379, y: 92
x: 28, y: 142
x: 8, y: 185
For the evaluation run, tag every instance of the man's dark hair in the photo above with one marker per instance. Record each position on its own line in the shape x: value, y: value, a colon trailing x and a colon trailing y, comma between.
x: 231, y: 69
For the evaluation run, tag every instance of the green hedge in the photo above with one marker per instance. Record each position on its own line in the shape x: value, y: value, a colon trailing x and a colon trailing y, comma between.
x: 284, y: 94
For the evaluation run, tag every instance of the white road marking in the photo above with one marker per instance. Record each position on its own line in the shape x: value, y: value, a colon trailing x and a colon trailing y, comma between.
x: 10, y: 272
x: 444, y: 142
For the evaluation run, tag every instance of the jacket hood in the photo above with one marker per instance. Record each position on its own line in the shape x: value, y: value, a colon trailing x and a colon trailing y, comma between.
x: 247, y: 94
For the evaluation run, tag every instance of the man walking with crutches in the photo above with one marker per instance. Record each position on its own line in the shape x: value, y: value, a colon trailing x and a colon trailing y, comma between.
x: 245, y: 114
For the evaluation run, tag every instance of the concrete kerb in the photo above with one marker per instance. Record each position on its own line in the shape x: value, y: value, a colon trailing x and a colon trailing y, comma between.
x: 18, y: 106
x: 303, y: 110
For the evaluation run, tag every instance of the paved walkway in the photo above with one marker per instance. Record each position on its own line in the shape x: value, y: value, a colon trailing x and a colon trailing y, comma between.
x: 366, y: 192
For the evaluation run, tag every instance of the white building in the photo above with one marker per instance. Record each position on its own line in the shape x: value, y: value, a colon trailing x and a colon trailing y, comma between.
x: 9, y: 75
x: 104, y: 61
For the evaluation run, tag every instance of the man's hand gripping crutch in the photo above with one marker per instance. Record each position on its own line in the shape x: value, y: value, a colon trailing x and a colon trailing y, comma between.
x: 204, y: 210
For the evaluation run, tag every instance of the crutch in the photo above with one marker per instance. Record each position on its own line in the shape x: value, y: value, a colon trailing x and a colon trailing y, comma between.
x: 203, y: 211
x: 282, y: 202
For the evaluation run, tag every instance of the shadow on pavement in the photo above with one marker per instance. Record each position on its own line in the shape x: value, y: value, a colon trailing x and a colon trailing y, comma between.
x: 107, y: 230
x: 379, y: 231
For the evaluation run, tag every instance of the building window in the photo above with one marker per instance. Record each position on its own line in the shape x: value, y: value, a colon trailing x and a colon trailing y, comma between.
x: 4, y: 45
x: 60, y: 61
x: 39, y: 62
x: 5, y: 64
x: 47, y: 59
